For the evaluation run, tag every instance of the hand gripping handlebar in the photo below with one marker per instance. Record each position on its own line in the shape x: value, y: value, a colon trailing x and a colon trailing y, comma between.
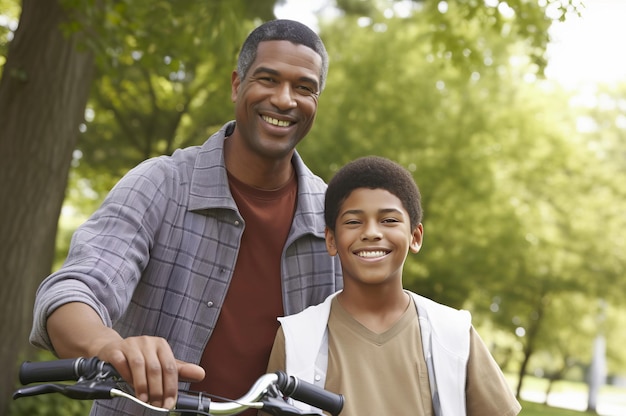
x: 94, y: 369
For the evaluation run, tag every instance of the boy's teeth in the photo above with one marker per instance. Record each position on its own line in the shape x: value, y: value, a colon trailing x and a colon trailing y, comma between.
x: 371, y: 253
x: 276, y: 122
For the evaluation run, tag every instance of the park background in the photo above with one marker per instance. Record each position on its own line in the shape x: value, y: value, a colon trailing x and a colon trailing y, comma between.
x: 519, y: 153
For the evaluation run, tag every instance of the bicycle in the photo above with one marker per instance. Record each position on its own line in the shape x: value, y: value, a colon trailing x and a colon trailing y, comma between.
x: 97, y: 379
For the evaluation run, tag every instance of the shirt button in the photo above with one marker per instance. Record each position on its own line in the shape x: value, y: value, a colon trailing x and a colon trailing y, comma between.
x: 318, y: 377
x: 209, y: 304
x: 236, y: 222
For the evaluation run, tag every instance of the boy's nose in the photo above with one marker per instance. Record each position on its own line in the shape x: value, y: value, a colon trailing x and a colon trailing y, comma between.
x: 371, y: 232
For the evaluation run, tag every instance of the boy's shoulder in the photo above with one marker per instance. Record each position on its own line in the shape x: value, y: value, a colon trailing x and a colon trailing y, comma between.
x: 315, y: 313
x: 434, y: 306
x: 450, y: 327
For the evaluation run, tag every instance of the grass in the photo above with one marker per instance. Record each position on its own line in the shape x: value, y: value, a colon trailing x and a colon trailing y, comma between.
x: 539, y: 409
x: 567, y: 393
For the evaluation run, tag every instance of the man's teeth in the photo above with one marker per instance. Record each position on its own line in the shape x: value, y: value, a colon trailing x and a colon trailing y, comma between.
x: 379, y: 253
x: 276, y: 122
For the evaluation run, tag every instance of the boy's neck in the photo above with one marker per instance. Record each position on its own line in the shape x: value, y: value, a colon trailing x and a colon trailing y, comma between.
x: 374, y: 309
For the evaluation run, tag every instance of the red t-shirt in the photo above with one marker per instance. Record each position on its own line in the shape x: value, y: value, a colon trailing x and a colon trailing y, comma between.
x: 240, y: 345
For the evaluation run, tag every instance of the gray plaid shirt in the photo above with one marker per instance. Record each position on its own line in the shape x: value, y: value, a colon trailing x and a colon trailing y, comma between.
x: 157, y: 257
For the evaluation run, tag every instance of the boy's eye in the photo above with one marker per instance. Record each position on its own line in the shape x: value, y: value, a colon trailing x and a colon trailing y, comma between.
x: 390, y: 220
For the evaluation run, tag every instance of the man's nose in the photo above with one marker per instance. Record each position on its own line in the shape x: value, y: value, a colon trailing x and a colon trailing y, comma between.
x: 283, y: 97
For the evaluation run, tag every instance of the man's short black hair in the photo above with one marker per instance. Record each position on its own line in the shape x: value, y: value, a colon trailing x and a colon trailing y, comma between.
x: 282, y: 29
x: 373, y: 172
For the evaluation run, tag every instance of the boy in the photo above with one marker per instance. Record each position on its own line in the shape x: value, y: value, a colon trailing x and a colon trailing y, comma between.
x: 388, y: 350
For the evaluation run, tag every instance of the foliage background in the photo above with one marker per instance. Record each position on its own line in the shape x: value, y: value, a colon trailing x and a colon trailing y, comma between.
x: 524, y: 211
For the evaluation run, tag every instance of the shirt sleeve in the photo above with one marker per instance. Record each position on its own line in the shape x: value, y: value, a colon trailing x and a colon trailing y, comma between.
x: 109, y: 251
x: 487, y: 390
x: 277, y: 356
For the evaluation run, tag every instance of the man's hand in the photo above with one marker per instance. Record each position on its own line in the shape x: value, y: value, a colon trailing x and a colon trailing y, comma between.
x: 147, y: 363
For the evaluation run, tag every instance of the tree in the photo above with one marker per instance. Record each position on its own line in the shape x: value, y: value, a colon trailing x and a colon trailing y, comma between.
x: 567, y: 194
x: 43, y: 92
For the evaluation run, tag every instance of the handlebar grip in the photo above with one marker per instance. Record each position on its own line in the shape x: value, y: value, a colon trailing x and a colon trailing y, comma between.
x: 56, y: 370
x: 310, y: 393
x: 67, y: 369
x: 197, y: 402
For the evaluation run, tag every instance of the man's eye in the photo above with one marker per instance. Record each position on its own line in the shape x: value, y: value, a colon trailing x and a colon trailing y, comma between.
x: 268, y: 80
x: 390, y: 220
x: 306, y: 90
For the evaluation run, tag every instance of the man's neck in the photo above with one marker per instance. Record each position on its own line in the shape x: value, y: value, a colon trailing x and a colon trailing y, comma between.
x: 253, y: 170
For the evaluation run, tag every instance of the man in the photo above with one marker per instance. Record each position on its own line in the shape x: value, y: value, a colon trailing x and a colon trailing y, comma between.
x: 192, y: 257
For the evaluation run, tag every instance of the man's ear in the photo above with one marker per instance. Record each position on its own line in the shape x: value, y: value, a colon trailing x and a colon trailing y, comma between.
x: 417, y: 238
x: 330, y: 241
x: 235, y: 81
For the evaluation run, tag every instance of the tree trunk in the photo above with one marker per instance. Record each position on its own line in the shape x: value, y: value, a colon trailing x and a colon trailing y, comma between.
x: 43, y: 94
x: 528, y: 351
x: 531, y: 338
x: 597, y: 373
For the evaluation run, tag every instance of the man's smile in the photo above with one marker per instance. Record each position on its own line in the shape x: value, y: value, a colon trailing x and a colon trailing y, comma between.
x: 276, y: 122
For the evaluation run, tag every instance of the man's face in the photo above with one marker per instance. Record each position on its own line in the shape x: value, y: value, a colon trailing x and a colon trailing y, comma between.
x: 276, y: 103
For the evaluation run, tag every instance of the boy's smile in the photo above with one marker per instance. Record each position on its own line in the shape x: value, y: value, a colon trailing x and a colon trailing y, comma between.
x: 372, y: 254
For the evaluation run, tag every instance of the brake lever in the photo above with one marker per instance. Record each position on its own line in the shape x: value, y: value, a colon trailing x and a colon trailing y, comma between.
x: 279, y: 407
x: 38, y: 389
x: 87, y: 390
x: 276, y: 405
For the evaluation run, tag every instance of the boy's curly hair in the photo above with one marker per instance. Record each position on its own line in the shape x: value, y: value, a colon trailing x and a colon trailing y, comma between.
x: 373, y: 172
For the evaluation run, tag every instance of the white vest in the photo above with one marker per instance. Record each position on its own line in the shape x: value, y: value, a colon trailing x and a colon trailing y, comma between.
x: 445, y: 339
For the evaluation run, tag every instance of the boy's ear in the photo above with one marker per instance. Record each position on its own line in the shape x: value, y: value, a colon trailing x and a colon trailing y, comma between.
x: 417, y: 238
x: 330, y: 241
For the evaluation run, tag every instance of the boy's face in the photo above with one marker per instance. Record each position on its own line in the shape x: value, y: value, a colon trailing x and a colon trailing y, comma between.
x: 372, y: 237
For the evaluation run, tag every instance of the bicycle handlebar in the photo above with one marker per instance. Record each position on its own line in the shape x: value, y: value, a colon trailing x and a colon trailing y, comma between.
x: 63, y: 370
x: 94, y: 369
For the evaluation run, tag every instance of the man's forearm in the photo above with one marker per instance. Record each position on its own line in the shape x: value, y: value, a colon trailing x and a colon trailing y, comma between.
x: 76, y: 330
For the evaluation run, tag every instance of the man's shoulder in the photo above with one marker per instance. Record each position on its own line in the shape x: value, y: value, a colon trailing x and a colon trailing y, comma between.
x: 183, y: 161
x: 159, y: 169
